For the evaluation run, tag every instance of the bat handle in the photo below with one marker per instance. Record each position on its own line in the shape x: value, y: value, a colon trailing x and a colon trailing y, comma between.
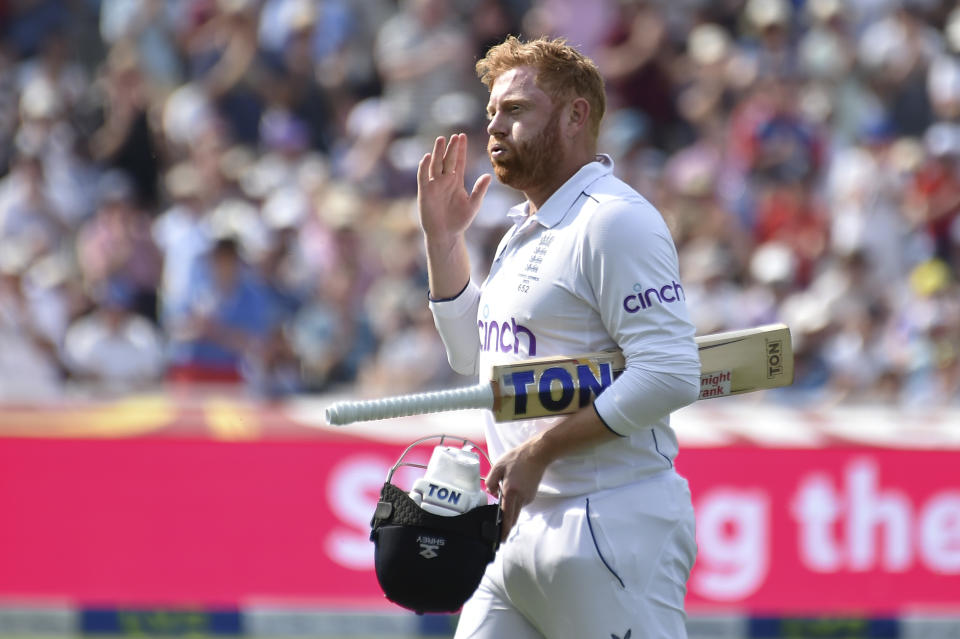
x: 479, y: 396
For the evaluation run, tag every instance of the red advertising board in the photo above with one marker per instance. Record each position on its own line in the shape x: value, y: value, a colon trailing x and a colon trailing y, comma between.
x: 830, y: 530
x: 195, y: 522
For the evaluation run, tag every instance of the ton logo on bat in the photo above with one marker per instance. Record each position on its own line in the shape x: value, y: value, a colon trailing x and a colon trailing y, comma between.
x: 774, y: 358
x: 555, y: 388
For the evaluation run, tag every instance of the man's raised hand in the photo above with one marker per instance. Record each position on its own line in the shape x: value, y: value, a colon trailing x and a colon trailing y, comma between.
x: 446, y: 209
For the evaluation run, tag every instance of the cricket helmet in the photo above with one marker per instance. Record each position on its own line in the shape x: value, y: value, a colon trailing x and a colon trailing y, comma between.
x: 428, y: 562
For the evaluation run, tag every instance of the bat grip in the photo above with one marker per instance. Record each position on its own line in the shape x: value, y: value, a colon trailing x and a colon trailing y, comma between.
x: 479, y: 396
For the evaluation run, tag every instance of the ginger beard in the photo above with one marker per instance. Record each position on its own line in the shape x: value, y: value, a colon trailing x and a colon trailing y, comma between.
x: 528, y: 163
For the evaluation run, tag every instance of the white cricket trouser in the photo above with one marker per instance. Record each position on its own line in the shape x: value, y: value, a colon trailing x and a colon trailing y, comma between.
x: 613, y: 563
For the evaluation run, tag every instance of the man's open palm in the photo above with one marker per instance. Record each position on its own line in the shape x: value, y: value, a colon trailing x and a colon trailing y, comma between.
x: 446, y: 209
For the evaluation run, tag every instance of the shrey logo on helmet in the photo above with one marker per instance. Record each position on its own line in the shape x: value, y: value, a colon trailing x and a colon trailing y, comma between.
x: 430, y: 545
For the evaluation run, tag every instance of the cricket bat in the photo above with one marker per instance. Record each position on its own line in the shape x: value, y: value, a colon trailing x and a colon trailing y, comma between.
x: 731, y: 363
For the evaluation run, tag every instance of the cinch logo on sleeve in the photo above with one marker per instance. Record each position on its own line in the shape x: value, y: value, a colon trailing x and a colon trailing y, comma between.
x: 504, y: 337
x: 645, y: 298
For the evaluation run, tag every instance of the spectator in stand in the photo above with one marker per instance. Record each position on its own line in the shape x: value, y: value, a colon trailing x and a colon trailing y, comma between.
x: 149, y: 25
x: 865, y: 196
x: 220, y: 334
x: 27, y: 213
x: 895, y: 52
x: 54, y: 64
x: 305, y: 39
x: 116, y: 246
x: 183, y: 235
x: 29, y: 366
x: 935, y: 192
x: 333, y: 340
x: 47, y: 129
x: 125, y: 140
x: 225, y: 58
x: 113, y: 349
x: 421, y: 53
x: 636, y: 66
x: 768, y: 38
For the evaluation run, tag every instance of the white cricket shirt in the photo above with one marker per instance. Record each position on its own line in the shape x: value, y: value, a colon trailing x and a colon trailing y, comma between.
x: 594, y: 268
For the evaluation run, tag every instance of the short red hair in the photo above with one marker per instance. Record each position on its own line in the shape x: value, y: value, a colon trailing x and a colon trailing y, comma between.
x: 563, y: 73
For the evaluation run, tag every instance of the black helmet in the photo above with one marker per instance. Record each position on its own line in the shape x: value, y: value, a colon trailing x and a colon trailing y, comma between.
x: 427, y: 562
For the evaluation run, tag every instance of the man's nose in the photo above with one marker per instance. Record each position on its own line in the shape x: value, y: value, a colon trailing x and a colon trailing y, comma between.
x: 495, y: 127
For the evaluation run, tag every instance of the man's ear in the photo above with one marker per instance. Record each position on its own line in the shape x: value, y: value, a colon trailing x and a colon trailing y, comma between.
x: 578, y: 116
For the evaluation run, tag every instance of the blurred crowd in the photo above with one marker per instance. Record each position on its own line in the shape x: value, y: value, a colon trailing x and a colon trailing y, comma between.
x: 223, y: 191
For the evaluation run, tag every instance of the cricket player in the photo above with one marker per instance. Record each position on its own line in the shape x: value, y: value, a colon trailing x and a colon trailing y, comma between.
x: 598, y: 526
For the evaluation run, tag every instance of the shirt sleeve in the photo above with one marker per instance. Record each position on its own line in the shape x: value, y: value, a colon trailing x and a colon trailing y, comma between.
x: 629, y: 264
x: 456, y: 321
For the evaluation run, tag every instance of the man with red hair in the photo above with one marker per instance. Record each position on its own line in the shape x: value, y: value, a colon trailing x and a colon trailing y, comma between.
x: 598, y: 526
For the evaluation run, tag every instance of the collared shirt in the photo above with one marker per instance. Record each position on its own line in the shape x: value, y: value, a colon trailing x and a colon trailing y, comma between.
x: 594, y: 268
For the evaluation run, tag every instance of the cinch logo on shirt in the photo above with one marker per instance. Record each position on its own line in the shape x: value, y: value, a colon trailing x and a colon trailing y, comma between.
x: 504, y: 337
x: 666, y: 294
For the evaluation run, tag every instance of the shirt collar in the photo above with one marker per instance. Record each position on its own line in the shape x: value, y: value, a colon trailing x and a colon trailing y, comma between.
x: 557, y: 205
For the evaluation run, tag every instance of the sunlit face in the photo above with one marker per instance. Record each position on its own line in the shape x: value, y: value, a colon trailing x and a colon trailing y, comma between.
x: 524, y: 128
